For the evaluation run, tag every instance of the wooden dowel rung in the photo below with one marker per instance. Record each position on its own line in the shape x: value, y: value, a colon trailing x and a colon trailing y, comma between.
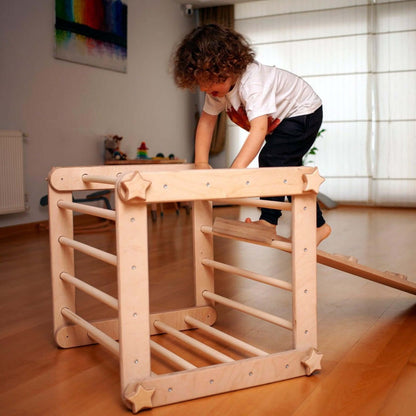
x: 93, y: 332
x: 91, y: 290
x: 235, y: 342
x: 259, y: 203
x: 265, y: 316
x: 246, y: 273
x: 99, y: 179
x: 211, y: 352
x: 91, y: 251
x: 88, y: 209
x: 281, y: 245
x: 169, y: 355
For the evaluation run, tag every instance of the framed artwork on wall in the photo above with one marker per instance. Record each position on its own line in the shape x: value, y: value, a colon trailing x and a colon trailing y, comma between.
x: 92, y: 32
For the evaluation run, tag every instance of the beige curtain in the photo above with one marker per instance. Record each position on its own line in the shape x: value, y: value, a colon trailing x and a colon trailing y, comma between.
x: 222, y: 15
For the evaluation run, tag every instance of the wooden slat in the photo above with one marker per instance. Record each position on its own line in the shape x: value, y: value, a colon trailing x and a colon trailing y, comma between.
x: 110, y: 180
x: 282, y: 243
x: 247, y: 231
x: 88, y: 209
x: 256, y: 202
x: 205, y: 349
x: 90, y: 290
x: 193, y: 184
x: 89, y: 250
x: 172, y: 357
x: 92, y: 331
x: 236, y: 343
x: 284, y: 323
x: 248, y: 274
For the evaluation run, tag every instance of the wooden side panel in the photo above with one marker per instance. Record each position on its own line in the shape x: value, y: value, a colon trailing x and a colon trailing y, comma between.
x: 304, y: 271
x: 133, y: 291
x: 62, y: 258
x: 203, y: 249
x: 220, y: 378
x: 192, y: 184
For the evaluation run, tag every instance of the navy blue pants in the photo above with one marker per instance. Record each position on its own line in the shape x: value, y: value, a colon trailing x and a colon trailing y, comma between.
x: 286, y: 146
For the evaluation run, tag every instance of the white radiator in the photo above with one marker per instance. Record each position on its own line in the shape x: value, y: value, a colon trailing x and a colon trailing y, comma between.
x: 12, y: 194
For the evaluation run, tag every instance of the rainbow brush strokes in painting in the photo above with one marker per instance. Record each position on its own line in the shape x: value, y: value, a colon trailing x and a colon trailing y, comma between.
x: 92, y: 32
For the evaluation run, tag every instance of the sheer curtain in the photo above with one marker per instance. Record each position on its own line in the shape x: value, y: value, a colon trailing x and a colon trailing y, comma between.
x: 360, y: 57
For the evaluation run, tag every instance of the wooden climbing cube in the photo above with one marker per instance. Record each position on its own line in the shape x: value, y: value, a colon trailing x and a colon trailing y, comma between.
x: 129, y: 337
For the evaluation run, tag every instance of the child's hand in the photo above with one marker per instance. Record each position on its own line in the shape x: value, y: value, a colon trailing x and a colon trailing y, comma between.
x: 202, y: 165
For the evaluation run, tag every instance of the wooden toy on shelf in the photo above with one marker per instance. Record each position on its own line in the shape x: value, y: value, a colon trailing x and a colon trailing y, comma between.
x: 129, y: 337
x: 142, y: 151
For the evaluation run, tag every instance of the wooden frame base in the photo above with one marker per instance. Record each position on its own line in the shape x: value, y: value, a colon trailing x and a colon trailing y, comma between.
x: 216, y: 379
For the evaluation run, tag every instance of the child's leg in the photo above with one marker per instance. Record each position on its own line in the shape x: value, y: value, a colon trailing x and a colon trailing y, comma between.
x: 272, y: 215
x: 322, y: 232
x: 286, y: 146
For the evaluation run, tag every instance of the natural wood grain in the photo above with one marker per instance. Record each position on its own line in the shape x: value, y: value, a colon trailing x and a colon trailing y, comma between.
x: 366, y: 331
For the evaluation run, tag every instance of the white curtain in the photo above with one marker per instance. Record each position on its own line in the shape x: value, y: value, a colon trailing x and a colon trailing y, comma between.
x: 360, y: 57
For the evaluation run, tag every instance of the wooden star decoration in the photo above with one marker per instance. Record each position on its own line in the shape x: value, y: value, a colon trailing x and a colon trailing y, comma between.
x: 312, y: 181
x: 140, y: 398
x: 132, y: 185
x: 312, y: 362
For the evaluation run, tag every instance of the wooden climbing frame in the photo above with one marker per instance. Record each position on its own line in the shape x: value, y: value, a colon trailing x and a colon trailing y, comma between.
x: 129, y: 337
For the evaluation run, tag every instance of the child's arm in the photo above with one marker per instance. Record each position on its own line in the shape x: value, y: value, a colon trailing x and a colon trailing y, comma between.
x: 203, y: 138
x: 253, y: 143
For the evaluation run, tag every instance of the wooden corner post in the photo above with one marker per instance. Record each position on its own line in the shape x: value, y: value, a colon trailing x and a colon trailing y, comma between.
x: 62, y: 258
x: 304, y: 271
x: 203, y: 249
x: 132, y: 283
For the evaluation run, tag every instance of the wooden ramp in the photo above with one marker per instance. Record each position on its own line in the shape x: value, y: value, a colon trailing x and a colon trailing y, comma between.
x: 392, y: 279
x: 259, y: 234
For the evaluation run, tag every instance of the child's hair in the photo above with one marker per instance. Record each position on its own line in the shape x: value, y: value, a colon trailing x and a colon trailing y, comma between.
x: 210, y: 53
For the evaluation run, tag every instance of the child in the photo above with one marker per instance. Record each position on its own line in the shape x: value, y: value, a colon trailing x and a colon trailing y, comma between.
x: 273, y: 105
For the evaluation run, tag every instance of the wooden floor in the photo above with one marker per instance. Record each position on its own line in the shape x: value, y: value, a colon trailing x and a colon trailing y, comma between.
x: 366, y: 332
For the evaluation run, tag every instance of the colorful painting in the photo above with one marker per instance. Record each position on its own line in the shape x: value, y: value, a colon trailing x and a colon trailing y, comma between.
x: 92, y: 32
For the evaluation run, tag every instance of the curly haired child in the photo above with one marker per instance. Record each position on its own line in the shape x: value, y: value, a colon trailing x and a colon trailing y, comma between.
x: 280, y: 111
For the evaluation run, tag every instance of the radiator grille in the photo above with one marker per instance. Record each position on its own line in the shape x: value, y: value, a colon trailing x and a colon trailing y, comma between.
x: 12, y: 195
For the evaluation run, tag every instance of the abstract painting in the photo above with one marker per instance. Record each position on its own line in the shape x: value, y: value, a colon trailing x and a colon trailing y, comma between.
x: 92, y: 32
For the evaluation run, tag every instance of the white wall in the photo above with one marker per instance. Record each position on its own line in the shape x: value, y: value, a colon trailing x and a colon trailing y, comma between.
x: 66, y: 108
x: 360, y: 57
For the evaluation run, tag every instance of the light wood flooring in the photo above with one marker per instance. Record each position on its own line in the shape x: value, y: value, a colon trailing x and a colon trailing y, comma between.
x: 366, y: 331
